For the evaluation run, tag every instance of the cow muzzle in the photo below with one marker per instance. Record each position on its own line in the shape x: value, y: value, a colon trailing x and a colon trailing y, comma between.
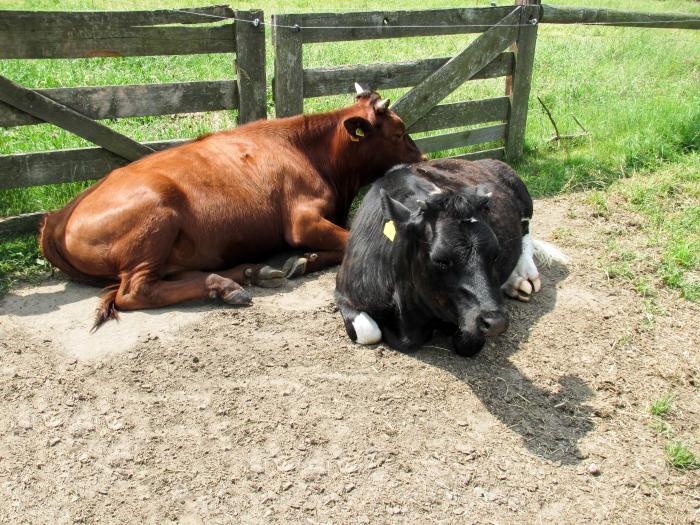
x: 493, y: 323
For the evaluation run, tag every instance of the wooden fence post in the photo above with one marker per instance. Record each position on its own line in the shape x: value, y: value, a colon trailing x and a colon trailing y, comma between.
x: 289, y: 66
x: 250, y: 66
x: 518, y: 86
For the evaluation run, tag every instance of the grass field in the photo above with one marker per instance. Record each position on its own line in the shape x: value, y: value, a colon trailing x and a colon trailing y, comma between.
x: 635, y: 91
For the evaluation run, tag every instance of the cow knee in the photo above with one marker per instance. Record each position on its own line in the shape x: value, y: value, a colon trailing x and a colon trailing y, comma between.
x: 367, y: 331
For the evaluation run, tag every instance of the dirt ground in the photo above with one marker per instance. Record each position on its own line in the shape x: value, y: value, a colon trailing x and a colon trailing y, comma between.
x: 269, y: 414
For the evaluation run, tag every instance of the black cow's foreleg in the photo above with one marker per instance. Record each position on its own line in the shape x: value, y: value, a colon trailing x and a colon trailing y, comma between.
x: 360, y: 326
x: 406, y: 334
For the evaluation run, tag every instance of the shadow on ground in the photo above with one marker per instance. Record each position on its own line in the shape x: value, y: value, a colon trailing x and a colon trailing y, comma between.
x: 551, y: 423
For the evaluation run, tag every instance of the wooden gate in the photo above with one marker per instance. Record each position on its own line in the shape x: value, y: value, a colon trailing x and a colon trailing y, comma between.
x: 34, y: 35
x: 433, y: 79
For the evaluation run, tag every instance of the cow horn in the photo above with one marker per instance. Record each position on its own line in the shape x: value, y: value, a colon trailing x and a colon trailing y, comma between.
x: 382, y: 105
x: 359, y: 89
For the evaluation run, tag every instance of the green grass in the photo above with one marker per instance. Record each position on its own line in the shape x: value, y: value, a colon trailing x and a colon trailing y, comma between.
x: 681, y: 457
x: 678, y: 454
x: 660, y: 407
x: 667, y: 254
x: 635, y: 91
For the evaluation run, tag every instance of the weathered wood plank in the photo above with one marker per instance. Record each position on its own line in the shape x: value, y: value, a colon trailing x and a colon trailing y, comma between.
x: 107, y: 102
x: 250, y: 66
x: 467, y: 113
x: 321, y: 82
x: 288, y: 84
x: 520, y: 82
x: 46, y: 109
x: 22, y: 170
x: 459, y: 139
x: 334, y: 27
x: 21, y: 224
x: 36, y: 21
x: 496, y: 153
x: 611, y: 17
x: 462, y: 67
x: 94, y: 41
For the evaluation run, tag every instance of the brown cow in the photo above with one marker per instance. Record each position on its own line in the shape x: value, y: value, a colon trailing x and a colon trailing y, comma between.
x: 155, y: 231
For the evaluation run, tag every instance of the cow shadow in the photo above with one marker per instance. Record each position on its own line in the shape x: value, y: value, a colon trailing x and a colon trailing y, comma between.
x: 551, y: 421
x: 58, y: 291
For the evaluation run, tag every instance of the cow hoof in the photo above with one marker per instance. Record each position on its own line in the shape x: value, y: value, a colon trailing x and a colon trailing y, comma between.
x: 238, y: 297
x: 517, y: 294
x: 294, y: 267
x: 272, y: 283
x: 269, y: 277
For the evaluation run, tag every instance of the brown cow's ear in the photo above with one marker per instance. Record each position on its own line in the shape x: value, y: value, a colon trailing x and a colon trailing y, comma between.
x: 357, y: 127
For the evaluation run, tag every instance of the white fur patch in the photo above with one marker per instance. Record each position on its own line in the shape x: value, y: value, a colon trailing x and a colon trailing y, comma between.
x: 435, y: 190
x: 525, y: 277
x: 367, y: 331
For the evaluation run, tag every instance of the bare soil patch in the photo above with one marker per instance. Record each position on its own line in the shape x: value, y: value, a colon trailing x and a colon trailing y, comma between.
x: 269, y: 414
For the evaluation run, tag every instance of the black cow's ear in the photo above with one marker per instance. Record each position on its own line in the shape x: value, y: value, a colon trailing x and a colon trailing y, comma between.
x: 357, y: 127
x: 483, y: 195
x: 393, y: 210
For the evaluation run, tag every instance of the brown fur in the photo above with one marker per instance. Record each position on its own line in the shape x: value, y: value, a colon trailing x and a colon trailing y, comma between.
x: 161, y: 225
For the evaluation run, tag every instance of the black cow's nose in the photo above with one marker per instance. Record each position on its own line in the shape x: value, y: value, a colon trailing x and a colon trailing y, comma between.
x: 493, y: 323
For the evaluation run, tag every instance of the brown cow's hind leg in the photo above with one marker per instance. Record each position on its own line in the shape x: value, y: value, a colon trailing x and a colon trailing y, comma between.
x: 141, y: 290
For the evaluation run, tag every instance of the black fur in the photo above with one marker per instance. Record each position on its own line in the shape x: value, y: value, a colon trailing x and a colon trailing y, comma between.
x: 442, y: 268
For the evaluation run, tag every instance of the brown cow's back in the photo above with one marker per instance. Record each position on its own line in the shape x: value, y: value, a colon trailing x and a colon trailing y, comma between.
x: 191, y: 187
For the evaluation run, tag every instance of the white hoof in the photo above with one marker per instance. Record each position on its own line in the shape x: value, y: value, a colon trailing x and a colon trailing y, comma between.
x: 366, y: 330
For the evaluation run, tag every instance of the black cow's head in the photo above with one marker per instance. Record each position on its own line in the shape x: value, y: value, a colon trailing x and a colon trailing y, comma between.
x: 451, y: 253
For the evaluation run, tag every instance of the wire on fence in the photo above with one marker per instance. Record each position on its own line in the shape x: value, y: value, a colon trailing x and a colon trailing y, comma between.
x: 534, y: 21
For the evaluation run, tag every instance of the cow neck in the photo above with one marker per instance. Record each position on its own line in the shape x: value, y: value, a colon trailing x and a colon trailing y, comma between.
x: 323, y: 140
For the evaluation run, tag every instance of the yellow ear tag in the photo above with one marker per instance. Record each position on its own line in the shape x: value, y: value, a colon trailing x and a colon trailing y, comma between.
x: 354, y: 139
x: 359, y: 132
x: 390, y: 230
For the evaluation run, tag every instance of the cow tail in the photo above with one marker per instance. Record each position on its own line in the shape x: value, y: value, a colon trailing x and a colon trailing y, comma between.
x: 107, y: 308
x: 547, y: 253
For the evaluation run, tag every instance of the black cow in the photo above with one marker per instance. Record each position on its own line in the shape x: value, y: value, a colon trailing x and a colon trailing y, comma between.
x: 434, y: 245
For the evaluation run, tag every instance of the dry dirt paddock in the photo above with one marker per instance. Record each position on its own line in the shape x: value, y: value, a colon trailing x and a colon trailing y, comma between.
x: 269, y: 414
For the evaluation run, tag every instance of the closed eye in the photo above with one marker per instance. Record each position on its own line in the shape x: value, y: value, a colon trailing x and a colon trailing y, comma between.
x: 442, y: 264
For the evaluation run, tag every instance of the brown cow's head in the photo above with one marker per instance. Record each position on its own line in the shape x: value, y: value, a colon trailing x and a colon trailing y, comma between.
x: 376, y: 137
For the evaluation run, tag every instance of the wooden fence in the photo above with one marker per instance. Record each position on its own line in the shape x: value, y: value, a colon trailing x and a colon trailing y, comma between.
x: 41, y: 35
x: 30, y: 35
x: 433, y: 78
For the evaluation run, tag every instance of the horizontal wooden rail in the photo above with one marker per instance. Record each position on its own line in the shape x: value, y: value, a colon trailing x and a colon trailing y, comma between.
x: 94, y: 41
x: 475, y: 57
x: 496, y: 153
x: 22, y: 170
x: 334, y: 27
x: 611, y: 17
x: 458, y: 114
x: 107, y: 102
x: 341, y: 79
x: 460, y: 139
x: 19, y: 224
x: 33, y: 21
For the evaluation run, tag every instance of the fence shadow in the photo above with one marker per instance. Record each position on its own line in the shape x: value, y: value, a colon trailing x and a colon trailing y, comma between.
x: 551, y: 422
